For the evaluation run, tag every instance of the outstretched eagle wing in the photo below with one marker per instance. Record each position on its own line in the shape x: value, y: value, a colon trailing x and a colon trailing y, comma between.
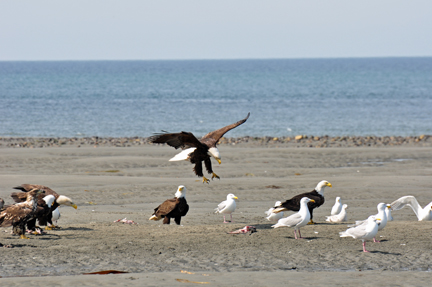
x: 181, y: 140
x: 213, y: 137
x: 29, y: 187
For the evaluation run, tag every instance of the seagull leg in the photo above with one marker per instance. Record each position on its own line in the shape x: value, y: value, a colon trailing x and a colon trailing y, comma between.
x: 231, y: 217
x: 205, y: 180
x: 376, y: 241
x: 295, y: 234
x: 225, y: 220
x: 214, y: 175
x: 300, y: 237
x: 364, y: 246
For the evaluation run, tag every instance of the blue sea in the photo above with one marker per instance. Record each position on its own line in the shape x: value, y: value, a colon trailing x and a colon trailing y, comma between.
x: 286, y: 97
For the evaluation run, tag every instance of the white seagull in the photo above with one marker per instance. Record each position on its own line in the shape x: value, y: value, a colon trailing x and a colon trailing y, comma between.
x: 56, y: 215
x: 274, y: 217
x: 337, y: 207
x: 298, y: 219
x: 340, y: 217
x: 388, y: 213
x: 381, y: 218
x: 227, y: 207
x: 411, y: 201
x: 364, y: 232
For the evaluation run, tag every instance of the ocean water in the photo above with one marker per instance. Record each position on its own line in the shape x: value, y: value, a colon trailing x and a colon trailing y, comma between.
x: 335, y: 97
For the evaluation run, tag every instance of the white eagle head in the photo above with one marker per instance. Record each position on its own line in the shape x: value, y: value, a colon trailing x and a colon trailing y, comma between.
x: 214, y: 152
x: 181, y: 191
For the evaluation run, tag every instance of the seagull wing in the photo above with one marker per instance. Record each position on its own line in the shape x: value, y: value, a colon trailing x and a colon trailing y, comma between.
x: 407, y: 200
x: 291, y: 220
x: 221, y: 205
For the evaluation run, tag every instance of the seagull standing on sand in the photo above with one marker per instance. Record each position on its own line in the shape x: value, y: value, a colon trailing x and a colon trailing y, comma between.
x: 56, y: 215
x: 274, y: 217
x: 298, y: 219
x: 337, y: 207
x: 227, y: 207
x: 411, y: 201
x: 388, y: 213
x: 364, y: 232
x: 381, y: 218
x: 340, y: 217
x: 317, y: 195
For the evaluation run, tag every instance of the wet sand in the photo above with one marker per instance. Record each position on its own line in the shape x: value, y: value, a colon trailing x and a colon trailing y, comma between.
x: 111, y: 183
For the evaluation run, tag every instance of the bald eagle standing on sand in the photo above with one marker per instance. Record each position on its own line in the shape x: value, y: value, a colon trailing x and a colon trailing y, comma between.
x: 59, y: 200
x: 294, y: 203
x: 172, y: 208
x: 194, y: 150
x: 19, y: 214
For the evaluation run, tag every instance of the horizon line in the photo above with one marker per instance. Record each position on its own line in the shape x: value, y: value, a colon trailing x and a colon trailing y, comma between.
x: 216, y: 59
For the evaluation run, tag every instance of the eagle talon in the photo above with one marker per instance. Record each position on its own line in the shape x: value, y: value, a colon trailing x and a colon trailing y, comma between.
x: 311, y: 222
x: 24, y: 237
x: 205, y: 180
x: 214, y: 175
x: 48, y: 228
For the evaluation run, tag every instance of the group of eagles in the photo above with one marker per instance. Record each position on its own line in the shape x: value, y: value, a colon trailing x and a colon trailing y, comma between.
x: 37, y: 202
x: 34, y: 202
x: 198, y: 151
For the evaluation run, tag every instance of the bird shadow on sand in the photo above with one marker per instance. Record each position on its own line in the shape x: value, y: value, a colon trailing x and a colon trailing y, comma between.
x: 49, y: 237
x: 20, y: 246
x: 384, y: 252
x: 263, y: 226
x: 303, y: 238
x: 77, y: 228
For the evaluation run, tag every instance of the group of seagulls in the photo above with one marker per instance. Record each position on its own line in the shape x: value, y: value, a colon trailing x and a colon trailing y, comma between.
x: 366, y: 229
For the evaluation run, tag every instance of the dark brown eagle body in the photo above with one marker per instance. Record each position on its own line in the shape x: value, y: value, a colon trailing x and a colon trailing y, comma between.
x: 172, y: 208
x: 203, y: 148
x: 293, y: 204
x: 176, y: 208
x: 19, y: 214
x: 45, y: 212
x: 42, y: 210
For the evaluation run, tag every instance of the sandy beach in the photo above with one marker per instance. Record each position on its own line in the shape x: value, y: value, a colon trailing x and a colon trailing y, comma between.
x: 110, y: 183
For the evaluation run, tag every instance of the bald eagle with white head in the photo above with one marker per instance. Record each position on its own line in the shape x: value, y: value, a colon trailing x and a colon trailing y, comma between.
x: 59, y: 200
x: 197, y: 151
x: 176, y: 207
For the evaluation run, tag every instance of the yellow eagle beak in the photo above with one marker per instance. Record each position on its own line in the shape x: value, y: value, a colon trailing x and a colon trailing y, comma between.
x: 219, y: 161
x: 329, y: 184
x: 74, y: 206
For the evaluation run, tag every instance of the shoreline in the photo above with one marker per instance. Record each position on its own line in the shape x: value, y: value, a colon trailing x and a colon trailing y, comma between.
x: 293, y: 141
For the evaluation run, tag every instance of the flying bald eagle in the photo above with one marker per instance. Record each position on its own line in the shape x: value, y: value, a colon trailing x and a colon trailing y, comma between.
x: 59, y: 200
x: 194, y: 150
x: 19, y: 214
x: 172, y: 208
x: 294, y: 203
